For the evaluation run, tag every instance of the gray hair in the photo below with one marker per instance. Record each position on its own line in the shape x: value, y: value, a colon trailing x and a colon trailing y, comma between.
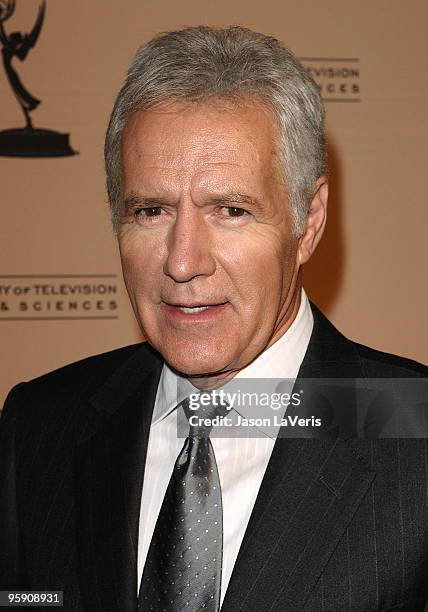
x: 199, y: 63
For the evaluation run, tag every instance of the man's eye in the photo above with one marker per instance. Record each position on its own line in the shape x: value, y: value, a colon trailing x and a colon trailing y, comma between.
x: 144, y: 213
x: 233, y: 211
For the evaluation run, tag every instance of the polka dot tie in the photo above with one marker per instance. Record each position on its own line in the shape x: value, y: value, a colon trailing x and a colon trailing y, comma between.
x: 183, y: 565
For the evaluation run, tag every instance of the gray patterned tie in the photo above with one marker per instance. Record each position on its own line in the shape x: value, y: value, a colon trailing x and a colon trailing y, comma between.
x: 183, y: 566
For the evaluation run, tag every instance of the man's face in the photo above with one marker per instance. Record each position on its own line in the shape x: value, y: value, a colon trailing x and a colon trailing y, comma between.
x: 206, y: 242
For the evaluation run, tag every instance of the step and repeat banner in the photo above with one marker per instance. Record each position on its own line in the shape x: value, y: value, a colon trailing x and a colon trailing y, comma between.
x: 61, y: 292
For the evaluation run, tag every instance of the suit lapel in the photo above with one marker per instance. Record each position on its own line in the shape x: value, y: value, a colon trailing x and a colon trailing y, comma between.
x: 309, y: 494
x: 109, y: 478
x: 297, y: 522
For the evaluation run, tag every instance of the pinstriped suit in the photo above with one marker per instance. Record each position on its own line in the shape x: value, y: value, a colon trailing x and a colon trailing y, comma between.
x: 337, y: 525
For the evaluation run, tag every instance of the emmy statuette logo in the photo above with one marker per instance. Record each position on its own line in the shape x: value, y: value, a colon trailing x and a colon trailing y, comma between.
x: 27, y: 141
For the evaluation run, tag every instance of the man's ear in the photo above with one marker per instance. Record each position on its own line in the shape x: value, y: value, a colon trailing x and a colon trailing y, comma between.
x: 315, y: 222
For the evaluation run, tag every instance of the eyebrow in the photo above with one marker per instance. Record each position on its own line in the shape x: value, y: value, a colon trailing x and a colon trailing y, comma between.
x: 133, y: 200
x: 234, y: 198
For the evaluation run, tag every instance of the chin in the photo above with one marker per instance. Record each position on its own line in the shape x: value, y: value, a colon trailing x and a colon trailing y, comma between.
x: 194, y: 354
x: 196, y: 362
x: 195, y: 367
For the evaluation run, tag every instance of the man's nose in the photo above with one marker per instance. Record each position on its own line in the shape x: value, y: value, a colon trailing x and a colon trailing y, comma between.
x: 189, y: 248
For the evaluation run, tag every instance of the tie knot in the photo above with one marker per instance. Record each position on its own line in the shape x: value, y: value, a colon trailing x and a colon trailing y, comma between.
x: 201, y: 415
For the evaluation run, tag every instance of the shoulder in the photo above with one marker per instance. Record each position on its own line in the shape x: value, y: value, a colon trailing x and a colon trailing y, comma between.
x: 379, y: 364
x: 88, y: 372
x: 71, y: 384
x: 331, y: 352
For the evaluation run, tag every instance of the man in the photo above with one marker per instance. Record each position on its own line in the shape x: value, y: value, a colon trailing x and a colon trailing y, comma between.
x: 216, y: 176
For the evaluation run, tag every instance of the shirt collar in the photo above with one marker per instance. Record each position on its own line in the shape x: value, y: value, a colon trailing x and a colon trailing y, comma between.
x: 282, y: 360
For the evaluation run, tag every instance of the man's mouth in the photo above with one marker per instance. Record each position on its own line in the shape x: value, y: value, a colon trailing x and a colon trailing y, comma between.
x: 193, y: 309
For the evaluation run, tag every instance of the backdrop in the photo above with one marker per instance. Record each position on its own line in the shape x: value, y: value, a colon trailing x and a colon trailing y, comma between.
x: 61, y: 293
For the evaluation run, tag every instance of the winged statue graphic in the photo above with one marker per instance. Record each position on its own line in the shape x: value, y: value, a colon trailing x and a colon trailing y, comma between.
x: 17, y: 45
x: 28, y: 141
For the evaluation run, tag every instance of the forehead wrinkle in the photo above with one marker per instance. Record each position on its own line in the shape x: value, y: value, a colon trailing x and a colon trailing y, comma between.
x: 180, y: 164
x: 201, y: 150
x: 202, y: 147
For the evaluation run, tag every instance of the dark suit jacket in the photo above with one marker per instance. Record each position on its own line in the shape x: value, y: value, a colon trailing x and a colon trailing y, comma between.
x: 337, y: 525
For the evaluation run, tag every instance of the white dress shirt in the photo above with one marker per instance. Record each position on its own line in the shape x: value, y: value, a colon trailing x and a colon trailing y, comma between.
x: 241, y: 461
